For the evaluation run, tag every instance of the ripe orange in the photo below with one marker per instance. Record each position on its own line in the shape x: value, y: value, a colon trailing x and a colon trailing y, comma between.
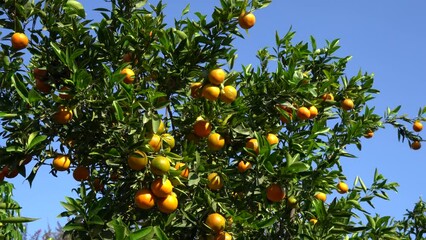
x: 211, y: 92
x: 19, y: 41
x: 369, y: 134
x: 217, y: 76
x: 129, y: 75
x: 98, y: 184
x: 342, y: 187
x: 61, y: 163
x: 313, y: 112
x: 168, y: 204
x: 196, y: 89
x: 243, y: 166
x: 228, y: 94
x: 253, y: 144
x: 275, y: 193
x: 63, y: 115
x: 328, y: 97
x: 185, y: 172
x: 216, y: 222
x: 321, y: 196
x: 40, y: 73
x: 303, y: 113
x: 160, y: 189
x: 215, y: 181
x: 129, y: 58
x: 7, y: 172
x: 347, y: 104
x: 169, y: 140
x: 289, y: 111
x: 160, y: 165
x: 81, y: 173
x: 64, y: 93
x: 137, y: 160
x: 223, y: 236
x: 215, y: 142
x: 313, y: 221
x: 416, y: 145
x: 42, y: 86
x: 144, y: 199
x: 202, y: 128
x: 417, y: 126
x: 272, y: 138
x: 246, y: 20
x: 155, y: 142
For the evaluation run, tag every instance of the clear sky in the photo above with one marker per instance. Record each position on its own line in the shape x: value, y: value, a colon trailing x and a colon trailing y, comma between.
x: 384, y: 37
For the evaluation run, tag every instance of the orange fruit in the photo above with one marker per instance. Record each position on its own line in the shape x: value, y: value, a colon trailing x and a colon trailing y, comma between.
x: 160, y: 165
x: 211, y: 92
x: 328, y: 97
x: 137, y: 160
x: 215, y: 181
x: 168, y: 204
x: 81, y: 173
x: 347, y: 104
x: 417, y: 126
x: 63, y: 115
x: 289, y: 111
x: 313, y: 112
x: 184, y: 172
x: 160, y: 188
x: 223, y: 236
x: 61, y: 163
x: 416, y: 145
x: 246, y: 20
x: 369, y: 134
x: 98, y: 184
x: 313, y: 221
x: 202, y: 128
x: 168, y: 139
x: 303, y: 113
x: 40, y: 73
x: 196, y: 89
x: 215, y: 142
x: 42, y: 86
x: 7, y: 172
x: 342, y: 187
x: 129, y: 75
x: 253, y: 144
x: 26, y: 160
x: 243, y: 166
x: 228, y: 94
x: 321, y: 196
x: 144, y: 199
x: 64, y: 93
x: 19, y: 41
x: 272, y: 138
x: 155, y: 142
x: 217, y: 76
x: 216, y: 222
x: 275, y: 193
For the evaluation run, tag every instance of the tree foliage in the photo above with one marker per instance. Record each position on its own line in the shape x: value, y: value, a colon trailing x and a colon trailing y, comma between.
x: 73, y: 100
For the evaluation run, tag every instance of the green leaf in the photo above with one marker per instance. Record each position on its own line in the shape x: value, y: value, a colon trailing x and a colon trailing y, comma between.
x: 17, y: 220
x: 20, y: 88
x: 160, y: 233
x: 267, y: 223
x: 298, y: 167
x: 4, y: 205
x: 118, y: 111
x: 7, y: 115
x: 186, y: 10
x: 73, y: 7
x: 34, y: 140
x: 146, y: 232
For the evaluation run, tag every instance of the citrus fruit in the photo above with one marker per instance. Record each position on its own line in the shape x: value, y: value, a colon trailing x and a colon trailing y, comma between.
x: 19, y: 41
x: 144, y: 199
x: 40, y: 73
x: 215, y: 181
x: 211, y: 92
x: 321, y: 196
x: 288, y: 114
x: 98, y: 184
x: 243, y: 166
x: 155, y: 142
x: 416, y: 145
x: 216, y: 222
x: 160, y: 165
x: 313, y: 221
x: 81, y: 173
x: 168, y: 204
x: 64, y: 93
x: 63, y: 115
x: 202, y: 128
x: 253, y: 145
x: 61, y: 163
x: 246, y: 20
x: 228, y: 94
x: 160, y: 188
x: 303, y: 113
x: 137, y: 160
x: 185, y: 171
x: 328, y: 97
x: 347, y: 104
x: 129, y: 75
x: 272, y: 138
x: 223, y: 236
x: 275, y: 193
x: 196, y: 89
x: 169, y: 140
x: 342, y: 187
x: 292, y: 201
x: 369, y: 134
x: 417, y: 126
x: 42, y: 86
x: 215, y: 141
x: 217, y: 76
x: 313, y: 112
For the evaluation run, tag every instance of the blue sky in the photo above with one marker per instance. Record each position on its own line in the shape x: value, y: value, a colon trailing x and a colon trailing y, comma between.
x: 384, y: 37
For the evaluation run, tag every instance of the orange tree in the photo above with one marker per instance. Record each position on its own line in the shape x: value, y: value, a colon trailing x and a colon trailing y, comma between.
x: 169, y: 141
